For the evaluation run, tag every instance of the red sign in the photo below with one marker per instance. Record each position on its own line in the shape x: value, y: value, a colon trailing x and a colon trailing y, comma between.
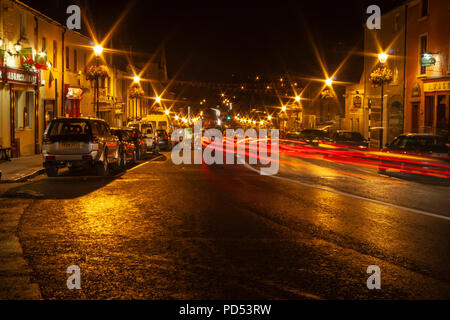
x: 19, y: 76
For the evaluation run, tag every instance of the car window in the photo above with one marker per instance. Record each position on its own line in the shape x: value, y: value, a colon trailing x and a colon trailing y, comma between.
x: 69, y: 127
x: 147, y: 128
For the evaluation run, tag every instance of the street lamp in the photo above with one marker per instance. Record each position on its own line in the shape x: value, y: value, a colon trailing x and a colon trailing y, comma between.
x: 98, y: 49
x: 297, y: 98
x: 283, y: 108
x: 382, y: 57
x: 167, y: 112
x: 328, y: 82
x: 136, y: 79
x: 158, y: 99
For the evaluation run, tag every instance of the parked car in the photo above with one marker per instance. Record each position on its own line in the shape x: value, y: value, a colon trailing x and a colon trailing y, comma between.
x: 350, y: 138
x: 164, y: 141
x: 148, y: 133
x: 314, y: 136
x: 139, y: 142
x: 127, y: 148
x: 416, y: 151
x: 79, y: 143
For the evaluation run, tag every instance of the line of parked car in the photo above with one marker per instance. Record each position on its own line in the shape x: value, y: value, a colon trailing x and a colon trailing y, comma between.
x: 89, y: 143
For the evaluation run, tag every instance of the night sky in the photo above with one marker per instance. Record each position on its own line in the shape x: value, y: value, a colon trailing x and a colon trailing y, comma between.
x: 230, y: 41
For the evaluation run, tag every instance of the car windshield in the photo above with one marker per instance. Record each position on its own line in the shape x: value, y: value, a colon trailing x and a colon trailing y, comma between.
x: 161, y: 133
x: 314, y: 133
x: 418, y: 142
x: 69, y: 127
x: 293, y: 135
x: 350, y: 136
x: 147, y: 128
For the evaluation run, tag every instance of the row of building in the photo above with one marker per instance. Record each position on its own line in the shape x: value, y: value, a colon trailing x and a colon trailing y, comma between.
x: 43, y: 74
x: 416, y: 38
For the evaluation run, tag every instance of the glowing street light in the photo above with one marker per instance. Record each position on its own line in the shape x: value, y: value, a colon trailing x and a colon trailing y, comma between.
x: 297, y: 98
x: 167, y: 112
x: 269, y: 118
x: 328, y: 82
x: 136, y: 79
x: 382, y: 57
x: 283, y: 108
x: 176, y: 118
x: 98, y: 49
x: 158, y: 99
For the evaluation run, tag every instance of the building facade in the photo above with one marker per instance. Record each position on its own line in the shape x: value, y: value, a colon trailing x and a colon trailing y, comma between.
x: 427, y: 67
x: 44, y: 74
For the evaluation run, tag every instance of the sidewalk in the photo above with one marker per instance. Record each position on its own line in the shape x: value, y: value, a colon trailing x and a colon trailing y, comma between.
x: 21, y: 168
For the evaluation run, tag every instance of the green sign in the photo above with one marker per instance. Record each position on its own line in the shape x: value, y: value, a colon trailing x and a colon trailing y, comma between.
x: 427, y: 59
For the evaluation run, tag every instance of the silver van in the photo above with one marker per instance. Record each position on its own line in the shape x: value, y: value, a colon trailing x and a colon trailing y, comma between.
x: 148, y: 132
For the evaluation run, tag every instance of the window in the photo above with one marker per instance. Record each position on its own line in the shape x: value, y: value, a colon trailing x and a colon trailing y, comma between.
x: 24, y: 109
x: 75, y: 62
x: 23, y: 26
x: 423, y: 48
x: 44, y: 44
x: 424, y: 8
x: 67, y: 58
x: 429, y: 111
x: 396, y: 23
x: 55, y: 54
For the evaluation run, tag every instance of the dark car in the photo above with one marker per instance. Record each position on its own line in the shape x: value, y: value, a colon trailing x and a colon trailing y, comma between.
x: 139, y: 142
x: 164, y: 141
x: 350, y: 138
x: 314, y: 136
x: 127, y: 148
x: 79, y: 143
x: 416, y: 152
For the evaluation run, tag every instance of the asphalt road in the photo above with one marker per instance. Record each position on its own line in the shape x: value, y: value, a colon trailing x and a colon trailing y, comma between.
x: 162, y: 231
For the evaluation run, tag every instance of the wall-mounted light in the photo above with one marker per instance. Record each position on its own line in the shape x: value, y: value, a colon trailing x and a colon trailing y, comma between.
x: 1, y: 42
x: 17, y: 47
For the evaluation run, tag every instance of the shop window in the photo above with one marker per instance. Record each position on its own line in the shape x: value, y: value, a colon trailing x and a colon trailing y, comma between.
x: 24, y: 107
x: 429, y: 111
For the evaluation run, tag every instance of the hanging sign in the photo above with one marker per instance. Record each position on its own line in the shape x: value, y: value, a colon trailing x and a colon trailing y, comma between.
x: 427, y: 59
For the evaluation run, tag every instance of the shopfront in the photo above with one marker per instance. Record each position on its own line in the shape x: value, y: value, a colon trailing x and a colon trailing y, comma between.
x: 72, y: 102
x: 436, y: 106
x: 20, y: 112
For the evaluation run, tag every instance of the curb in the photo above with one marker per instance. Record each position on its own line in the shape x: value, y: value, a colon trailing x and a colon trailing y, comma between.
x: 24, y: 178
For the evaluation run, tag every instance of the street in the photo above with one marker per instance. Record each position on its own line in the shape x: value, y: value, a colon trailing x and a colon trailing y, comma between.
x: 165, y: 231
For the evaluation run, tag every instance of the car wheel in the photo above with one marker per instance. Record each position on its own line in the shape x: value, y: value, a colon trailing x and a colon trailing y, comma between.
x: 102, y: 166
x: 51, y: 171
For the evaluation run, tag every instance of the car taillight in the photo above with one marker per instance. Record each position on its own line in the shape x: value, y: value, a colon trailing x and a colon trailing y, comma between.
x: 166, y: 138
x: 46, y: 140
x: 87, y: 157
x: 50, y: 158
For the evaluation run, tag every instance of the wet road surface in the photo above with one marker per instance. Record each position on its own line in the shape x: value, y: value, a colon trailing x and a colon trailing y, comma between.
x: 162, y: 231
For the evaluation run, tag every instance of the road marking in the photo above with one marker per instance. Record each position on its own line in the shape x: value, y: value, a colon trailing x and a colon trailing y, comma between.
x: 355, y: 196
x: 148, y: 161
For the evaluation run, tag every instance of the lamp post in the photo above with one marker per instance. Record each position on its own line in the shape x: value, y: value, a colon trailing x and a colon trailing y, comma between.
x: 297, y: 99
x: 328, y: 82
x: 98, y: 49
x: 382, y: 57
x: 136, y: 80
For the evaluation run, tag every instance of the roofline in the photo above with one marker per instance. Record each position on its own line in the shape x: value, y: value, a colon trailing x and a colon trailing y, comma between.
x: 47, y: 18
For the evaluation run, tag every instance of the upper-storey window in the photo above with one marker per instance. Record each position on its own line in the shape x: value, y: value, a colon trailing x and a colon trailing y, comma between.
x: 424, y: 8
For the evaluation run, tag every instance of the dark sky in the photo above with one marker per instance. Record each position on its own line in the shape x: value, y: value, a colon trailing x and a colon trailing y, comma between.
x: 244, y: 38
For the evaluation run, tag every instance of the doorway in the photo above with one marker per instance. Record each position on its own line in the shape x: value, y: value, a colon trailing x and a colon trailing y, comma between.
x: 415, y: 117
